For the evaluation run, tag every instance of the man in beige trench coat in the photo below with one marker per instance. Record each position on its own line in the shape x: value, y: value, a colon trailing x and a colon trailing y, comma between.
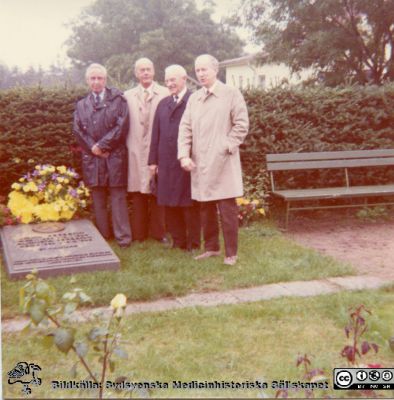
x: 212, y: 128
x: 147, y: 218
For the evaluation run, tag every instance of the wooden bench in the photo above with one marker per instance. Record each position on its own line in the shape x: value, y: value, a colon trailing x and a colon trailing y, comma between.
x: 325, y: 160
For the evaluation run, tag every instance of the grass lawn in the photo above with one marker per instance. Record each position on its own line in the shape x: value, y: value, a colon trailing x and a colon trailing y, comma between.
x: 246, y: 342
x: 150, y: 271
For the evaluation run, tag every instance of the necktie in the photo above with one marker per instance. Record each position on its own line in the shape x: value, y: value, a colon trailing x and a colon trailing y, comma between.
x: 146, y: 95
x: 176, y: 97
x: 97, y: 100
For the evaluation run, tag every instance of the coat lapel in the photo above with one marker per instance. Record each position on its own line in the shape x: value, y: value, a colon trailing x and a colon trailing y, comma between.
x: 201, y: 94
x: 139, y: 97
x: 173, y: 106
x: 216, y: 92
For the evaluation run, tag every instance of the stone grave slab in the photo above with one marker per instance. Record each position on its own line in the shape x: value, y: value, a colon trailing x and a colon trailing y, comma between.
x: 76, y: 246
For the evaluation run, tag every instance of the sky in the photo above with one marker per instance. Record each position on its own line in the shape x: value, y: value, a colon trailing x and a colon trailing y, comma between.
x: 33, y: 32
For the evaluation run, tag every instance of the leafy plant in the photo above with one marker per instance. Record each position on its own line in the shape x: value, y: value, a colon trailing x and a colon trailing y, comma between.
x: 353, y: 353
x: 372, y: 213
x: 39, y: 300
x: 310, y: 375
x: 354, y: 331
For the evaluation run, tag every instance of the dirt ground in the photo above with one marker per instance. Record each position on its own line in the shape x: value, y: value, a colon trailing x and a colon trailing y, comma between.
x: 367, y: 245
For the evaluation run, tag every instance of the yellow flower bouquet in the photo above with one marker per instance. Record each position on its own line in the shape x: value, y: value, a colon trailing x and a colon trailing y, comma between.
x: 49, y: 193
x: 249, y: 210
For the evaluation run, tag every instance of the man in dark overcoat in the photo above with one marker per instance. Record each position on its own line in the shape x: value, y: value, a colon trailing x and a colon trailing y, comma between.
x: 173, y: 183
x: 100, y: 127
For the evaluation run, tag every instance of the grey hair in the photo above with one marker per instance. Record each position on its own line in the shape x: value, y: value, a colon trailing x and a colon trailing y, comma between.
x: 95, y: 66
x: 142, y: 60
x: 213, y: 61
x: 175, y: 68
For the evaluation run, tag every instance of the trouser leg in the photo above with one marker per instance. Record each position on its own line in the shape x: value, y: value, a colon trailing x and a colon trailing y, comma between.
x: 176, y: 226
x: 210, y: 225
x: 99, y: 195
x: 228, y: 210
x: 157, y: 225
x: 120, y: 215
x: 139, y: 215
x: 193, y: 225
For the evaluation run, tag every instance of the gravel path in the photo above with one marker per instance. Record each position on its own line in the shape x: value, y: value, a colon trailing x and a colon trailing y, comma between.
x: 367, y: 246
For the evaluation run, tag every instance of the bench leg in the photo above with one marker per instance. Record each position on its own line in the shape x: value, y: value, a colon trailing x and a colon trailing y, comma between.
x: 287, y: 214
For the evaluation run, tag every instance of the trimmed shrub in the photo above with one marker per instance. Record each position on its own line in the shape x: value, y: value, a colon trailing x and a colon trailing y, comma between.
x: 316, y: 119
x: 36, y: 127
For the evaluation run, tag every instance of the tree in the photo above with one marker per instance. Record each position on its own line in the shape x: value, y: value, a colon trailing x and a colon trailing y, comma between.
x: 344, y: 40
x: 56, y: 75
x: 5, y: 76
x: 117, y: 32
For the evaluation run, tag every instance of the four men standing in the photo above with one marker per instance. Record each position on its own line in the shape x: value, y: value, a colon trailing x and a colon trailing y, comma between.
x: 212, y: 123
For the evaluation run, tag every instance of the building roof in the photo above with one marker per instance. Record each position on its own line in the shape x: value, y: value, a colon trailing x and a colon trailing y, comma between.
x: 244, y: 60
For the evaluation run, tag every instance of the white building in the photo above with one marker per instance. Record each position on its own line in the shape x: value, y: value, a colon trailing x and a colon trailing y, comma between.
x: 246, y: 73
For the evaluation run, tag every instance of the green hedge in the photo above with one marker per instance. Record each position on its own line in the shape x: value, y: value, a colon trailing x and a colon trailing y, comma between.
x: 36, y: 123
x: 316, y: 119
x: 35, y: 128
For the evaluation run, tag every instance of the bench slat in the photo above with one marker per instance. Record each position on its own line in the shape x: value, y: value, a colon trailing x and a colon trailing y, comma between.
x: 330, y: 155
x: 295, y: 165
x: 336, y: 192
x: 333, y: 160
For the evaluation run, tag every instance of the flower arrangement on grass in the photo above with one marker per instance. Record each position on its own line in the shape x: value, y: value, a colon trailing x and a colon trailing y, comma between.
x: 49, y: 193
x: 249, y: 210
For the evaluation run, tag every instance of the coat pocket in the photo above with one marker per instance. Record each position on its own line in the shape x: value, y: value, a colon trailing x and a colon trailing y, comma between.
x: 89, y: 169
x: 117, y: 166
x: 224, y: 146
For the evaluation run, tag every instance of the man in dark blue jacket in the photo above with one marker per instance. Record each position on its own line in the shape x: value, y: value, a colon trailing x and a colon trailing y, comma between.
x: 173, y: 183
x: 100, y: 127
